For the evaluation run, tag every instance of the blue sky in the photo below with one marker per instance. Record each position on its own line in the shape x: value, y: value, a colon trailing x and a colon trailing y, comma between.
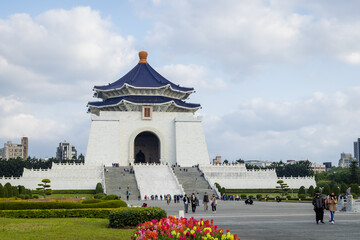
x: 277, y: 80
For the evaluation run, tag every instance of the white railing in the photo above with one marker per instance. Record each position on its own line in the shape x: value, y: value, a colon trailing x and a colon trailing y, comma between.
x: 176, y: 180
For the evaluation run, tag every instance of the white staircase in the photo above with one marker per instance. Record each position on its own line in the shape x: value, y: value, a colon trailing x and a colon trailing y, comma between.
x: 157, y: 179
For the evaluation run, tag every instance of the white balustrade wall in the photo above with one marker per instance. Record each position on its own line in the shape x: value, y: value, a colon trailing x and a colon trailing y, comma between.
x: 157, y: 179
x: 62, y: 176
x: 236, y: 176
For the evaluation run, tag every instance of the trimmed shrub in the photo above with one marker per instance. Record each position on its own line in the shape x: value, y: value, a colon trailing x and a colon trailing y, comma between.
x: 302, y: 190
x: 243, y: 196
x: 258, y: 196
x: 91, y: 201
x: 110, y: 197
x: 302, y: 196
x: 57, y: 213
x: 133, y: 216
x: 99, y: 195
x: 99, y: 188
x: 22, y: 205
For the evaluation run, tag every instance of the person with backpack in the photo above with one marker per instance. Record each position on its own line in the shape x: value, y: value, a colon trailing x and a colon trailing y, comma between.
x: 205, y: 201
x: 319, y: 205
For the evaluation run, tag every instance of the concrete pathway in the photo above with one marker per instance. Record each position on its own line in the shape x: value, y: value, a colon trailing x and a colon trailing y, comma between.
x: 271, y: 220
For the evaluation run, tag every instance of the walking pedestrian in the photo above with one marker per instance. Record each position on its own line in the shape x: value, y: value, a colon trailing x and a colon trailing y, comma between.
x: 168, y: 199
x: 206, y: 201
x: 213, y: 203
x: 319, y: 204
x: 186, y: 203
x: 193, y: 201
x: 332, y: 201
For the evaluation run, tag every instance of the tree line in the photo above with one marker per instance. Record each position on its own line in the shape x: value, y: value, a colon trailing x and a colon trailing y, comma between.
x: 14, y: 167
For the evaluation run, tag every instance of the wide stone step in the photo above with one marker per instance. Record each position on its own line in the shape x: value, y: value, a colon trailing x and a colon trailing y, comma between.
x: 193, y: 181
x: 119, y: 180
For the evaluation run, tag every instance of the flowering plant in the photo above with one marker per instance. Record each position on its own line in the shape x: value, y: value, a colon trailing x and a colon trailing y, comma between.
x: 183, y: 229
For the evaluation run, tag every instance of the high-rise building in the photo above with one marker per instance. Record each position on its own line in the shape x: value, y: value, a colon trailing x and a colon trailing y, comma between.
x: 357, y: 150
x: 13, y: 150
x: 65, y: 151
x: 346, y: 159
x: 327, y: 165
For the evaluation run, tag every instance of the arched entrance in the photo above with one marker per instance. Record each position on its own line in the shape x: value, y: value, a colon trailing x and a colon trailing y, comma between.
x: 146, y: 148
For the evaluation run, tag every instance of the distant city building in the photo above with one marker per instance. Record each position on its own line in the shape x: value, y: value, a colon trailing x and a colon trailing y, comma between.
x: 259, y: 163
x: 327, y: 165
x: 357, y: 151
x: 12, y: 150
x: 217, y: 160
x: 345, y: 160
x: 317, y: 168
x: 65, y: 151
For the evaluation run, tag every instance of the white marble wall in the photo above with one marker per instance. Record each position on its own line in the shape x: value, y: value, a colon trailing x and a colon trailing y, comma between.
x: 112, y: 136
x: 62, y: 176
x: 238, y: 177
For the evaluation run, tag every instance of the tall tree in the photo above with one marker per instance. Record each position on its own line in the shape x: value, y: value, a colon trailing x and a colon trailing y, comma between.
x: 343, y: 188
x: 326, y: 190
x: 354, y: 172
x: 311, y: 191
x: 1, y: 191
x: 336, y: 189
x: 8, y: 190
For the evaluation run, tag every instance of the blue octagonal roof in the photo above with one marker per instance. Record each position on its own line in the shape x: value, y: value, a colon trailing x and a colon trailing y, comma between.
x: 142, y: 76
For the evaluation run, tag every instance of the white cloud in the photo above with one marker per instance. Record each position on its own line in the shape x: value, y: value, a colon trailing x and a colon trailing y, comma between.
x: 315, y: 128
x: 58, y: 51
x: 243, y: 36
x: 50, y: 62
x: 17, y: 121
x: 193, y: 75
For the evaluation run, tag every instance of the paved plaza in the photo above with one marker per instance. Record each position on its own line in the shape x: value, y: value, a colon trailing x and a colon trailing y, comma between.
x: 271, y: 220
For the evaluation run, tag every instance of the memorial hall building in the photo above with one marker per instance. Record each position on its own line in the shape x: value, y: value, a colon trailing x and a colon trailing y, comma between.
x: 145, y: 138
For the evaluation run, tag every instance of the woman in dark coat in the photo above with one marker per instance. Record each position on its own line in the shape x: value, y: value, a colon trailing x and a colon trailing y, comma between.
x: 193, y: 201
x: 319, y: 205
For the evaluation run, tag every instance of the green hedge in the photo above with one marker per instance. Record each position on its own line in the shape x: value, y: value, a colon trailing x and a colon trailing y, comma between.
x: 91, y: 201
x: 22, y: 205
x: 89, y: 191
x: 57, y: 213
x: 133, y: 216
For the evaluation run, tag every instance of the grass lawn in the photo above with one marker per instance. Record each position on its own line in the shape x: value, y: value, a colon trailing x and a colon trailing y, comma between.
x: 60, y: 228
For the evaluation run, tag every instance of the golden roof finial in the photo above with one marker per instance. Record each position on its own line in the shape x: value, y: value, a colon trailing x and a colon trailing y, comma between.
x: 143, y: 56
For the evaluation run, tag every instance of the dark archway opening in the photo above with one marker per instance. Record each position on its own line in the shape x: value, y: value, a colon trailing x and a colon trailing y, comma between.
x: 147, y: 148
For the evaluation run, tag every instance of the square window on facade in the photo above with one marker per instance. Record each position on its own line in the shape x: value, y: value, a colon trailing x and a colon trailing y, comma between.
x: 146, y: 112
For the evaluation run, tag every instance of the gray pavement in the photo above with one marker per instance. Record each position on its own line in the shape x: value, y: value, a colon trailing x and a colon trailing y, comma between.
x: 271, y: 220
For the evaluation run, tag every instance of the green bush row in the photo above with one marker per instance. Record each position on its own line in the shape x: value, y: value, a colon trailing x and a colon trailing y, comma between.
x: 133, y: 216
x: 85, y: 191
x: 22, y: 205
x: 57, y: 213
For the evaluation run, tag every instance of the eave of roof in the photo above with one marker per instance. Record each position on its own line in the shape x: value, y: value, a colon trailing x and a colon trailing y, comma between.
x: 143, y: 100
